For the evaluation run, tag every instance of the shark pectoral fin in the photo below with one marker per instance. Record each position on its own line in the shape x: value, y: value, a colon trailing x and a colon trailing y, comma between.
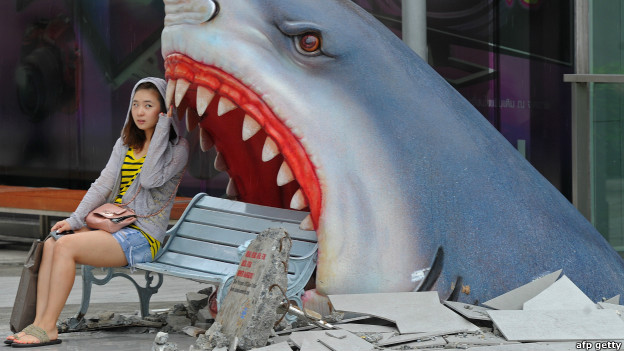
x: 433, y: 272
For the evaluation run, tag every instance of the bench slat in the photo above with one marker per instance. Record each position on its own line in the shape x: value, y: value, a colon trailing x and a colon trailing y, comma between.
x: 272, y: 213
x: 198, y: 264
x: 235, y: 238
x: 182, y: 272
x: 245, y: 223
x: 206, y: 250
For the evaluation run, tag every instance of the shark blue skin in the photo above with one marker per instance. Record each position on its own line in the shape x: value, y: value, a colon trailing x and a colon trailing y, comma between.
x: 401, y: 169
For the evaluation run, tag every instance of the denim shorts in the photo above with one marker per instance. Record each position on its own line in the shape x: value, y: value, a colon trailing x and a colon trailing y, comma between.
x: 134, y: 245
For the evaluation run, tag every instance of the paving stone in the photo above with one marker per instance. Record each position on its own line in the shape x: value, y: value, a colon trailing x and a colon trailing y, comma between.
x: 469, y: 311
x: 514, y: 299
x: 249, y: 310
x: 413, y: 312
x: 560, y: 295
x: 559, y: 325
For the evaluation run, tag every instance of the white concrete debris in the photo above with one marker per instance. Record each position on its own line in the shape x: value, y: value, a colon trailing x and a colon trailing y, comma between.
x: 515, y: 299
x: 547, y: 314
x: 161, y: 343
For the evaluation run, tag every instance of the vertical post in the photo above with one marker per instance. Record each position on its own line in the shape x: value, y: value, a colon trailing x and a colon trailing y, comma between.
x: 581, y: 121
x: 414, y: 25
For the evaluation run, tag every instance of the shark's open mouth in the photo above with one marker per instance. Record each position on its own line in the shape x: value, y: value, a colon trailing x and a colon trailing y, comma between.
x: 266, y: 162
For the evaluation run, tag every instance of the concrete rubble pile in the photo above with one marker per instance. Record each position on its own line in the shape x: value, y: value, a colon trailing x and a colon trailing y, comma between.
x: 546, y: 314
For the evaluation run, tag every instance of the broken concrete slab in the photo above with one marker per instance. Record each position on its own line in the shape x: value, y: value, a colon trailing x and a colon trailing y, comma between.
x: 558, y: 325
x: 609, y: 306
x: 196, y: 301
x: 413, y: 312
x: 514, y: 299
x: 341, y: 340
x: 249, y: 310
x: 313, y: 345
x: 560, y: 295
x: 396, y: 339
x: 469, y: 311
x: 481, y: 338
x: 614, y: 300
x: 436, y: 342
x: 367, y: 328
x: 282, y: 346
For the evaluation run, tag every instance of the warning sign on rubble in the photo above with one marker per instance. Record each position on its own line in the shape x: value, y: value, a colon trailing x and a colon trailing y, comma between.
x: 248, y: 312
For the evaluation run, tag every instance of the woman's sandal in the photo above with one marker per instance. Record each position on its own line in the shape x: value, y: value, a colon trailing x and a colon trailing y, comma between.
x: 11, y: 338
x: 38, y: 333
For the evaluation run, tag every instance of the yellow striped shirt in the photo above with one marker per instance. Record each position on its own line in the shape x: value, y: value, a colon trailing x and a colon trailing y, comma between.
x: 130, y: 168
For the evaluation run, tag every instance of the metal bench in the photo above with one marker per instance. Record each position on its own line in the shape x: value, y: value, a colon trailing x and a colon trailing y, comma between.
x: 204, y: 246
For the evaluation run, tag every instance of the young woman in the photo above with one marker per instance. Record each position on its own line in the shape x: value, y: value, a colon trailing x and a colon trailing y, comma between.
x: 146, y: 164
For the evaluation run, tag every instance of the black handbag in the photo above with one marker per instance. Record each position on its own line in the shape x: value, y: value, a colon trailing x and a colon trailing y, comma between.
x: 25, y: 305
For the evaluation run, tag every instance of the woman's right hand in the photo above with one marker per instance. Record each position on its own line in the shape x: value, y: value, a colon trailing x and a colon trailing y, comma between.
x: 61, y: 226
x: 169, y: 112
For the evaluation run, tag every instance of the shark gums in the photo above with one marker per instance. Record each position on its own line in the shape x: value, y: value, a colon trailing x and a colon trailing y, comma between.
x: 315, y: 105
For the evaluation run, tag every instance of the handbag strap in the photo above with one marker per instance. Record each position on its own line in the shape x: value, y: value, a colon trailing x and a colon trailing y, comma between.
x: 173, y: 194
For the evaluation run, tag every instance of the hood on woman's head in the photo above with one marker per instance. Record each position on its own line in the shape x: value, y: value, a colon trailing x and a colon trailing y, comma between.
x: 161, y: 85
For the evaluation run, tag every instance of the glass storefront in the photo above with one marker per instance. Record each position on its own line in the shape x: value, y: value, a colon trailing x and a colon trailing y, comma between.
x: 607, y: 118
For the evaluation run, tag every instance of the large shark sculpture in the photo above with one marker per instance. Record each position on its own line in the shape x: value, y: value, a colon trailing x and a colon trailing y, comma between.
x: 315, y: 105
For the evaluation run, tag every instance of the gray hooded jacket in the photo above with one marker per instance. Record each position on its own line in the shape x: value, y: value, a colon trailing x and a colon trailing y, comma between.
x: 162, y: 169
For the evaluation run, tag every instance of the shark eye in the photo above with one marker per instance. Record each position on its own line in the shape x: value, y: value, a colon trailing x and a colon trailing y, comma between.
x: 309, y: 43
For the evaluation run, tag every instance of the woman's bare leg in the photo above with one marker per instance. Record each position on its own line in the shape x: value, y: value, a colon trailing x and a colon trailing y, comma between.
x: 96, y: 248
x: 43, y: 280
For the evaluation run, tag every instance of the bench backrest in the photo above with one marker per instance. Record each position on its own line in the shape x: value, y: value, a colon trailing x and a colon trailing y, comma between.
x: 207, y: 236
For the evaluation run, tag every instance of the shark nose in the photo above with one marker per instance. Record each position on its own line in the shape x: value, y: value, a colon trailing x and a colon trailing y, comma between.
x: 189, y: 11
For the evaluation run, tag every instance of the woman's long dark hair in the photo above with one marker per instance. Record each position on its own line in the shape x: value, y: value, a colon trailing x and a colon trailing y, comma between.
x: 134, y: 137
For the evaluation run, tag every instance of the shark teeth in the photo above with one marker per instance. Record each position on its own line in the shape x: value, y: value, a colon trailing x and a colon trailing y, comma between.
x: 231, y: 189
x: 298, y: 201
x: 219, y: 163
x: 307, y: 224
x: 177, y: 89
x: 250, y: 127
x: 204, y: 96
x: 269, y: 150
x: 285, y: 175
x: 170, y: 91
x: 225, y: 106
x: 205, y: 141
x: 182, y: 86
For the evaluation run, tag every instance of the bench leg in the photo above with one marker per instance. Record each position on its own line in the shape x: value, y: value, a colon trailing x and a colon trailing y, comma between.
x: 88, y: 279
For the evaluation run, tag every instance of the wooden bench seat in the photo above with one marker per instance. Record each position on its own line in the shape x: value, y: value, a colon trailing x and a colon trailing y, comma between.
x: 55, y: 202
x: 207, y: 243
